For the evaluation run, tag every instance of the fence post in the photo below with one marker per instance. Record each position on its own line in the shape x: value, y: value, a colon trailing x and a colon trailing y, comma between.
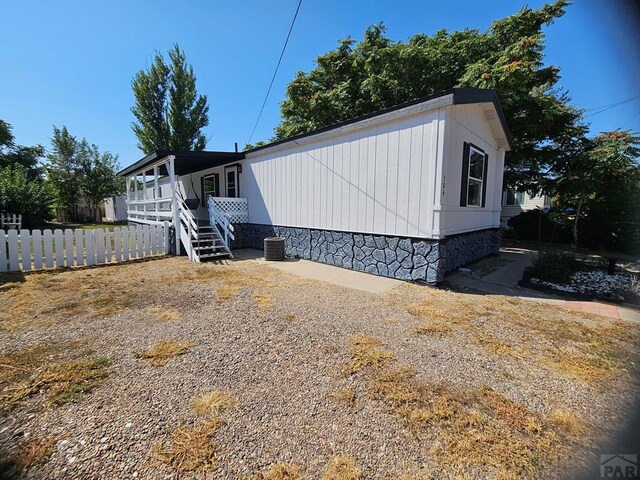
x: 79, y: 247
x: 4, y: 266
x: 25, y: 247
x: 125, y: 243
x: 48, y: 248
x: 58, y: 246
x: 68, y: 240
x: 166, y: 238
x: 89, y: 239
x: 12, y: 249
x: 37, y: 249
x: 117, y: 244
x: 98, y: 236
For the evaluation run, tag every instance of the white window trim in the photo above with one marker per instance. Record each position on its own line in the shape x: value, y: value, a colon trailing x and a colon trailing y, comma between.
x: 236, y: 176
x: 205, y: 192
x: 469, y: 177
x: 515, y: 198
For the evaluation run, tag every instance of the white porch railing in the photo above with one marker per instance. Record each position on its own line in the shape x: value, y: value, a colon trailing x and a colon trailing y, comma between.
x: 151, y: 211
x: 236, y: 209
x: 188, y: 228
x: 221, y: 220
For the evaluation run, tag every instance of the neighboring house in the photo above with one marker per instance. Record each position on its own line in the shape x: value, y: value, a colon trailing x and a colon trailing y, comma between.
x: 410, y: 192
x: 514, y: 203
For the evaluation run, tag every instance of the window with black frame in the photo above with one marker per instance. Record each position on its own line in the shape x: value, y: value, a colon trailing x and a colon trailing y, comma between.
x: 513, y: 198
x: 209, y: 187
x: 474, y: 176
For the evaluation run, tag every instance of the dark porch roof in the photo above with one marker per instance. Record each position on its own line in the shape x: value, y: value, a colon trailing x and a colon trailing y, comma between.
x: 185, y: 163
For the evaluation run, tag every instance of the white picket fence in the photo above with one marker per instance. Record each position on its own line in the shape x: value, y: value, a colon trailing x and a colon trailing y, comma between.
x: 34, y: 250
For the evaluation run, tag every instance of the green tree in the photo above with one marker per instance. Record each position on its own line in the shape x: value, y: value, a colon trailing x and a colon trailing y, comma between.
x: 78, y: 171
x: 21, y: 194
x: 599, y: 192
x: 98, y: 176
x: 170, y: 115
x: 23, y: 189
x: 63, y: 170
x: 360, y: 78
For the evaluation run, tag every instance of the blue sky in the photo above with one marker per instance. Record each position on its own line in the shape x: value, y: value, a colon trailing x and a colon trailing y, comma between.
x: 71, y: 62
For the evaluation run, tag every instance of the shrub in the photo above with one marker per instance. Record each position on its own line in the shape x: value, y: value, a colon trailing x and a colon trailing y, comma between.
x: 555, y: 267
x: 533, y: 223
x: 22, y: 195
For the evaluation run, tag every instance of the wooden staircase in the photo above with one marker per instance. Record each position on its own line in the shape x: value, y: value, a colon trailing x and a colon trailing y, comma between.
x: 202, y: 239
x: 208, y: 243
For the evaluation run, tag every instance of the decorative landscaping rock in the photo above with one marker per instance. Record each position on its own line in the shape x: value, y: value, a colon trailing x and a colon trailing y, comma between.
x: 402, y: 258
x: 594, y: 283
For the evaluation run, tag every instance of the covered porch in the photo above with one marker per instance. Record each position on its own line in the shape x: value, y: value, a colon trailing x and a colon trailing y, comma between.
x: 197, y: 192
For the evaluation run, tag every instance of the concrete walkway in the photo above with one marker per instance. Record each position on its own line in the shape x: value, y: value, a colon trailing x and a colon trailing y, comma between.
x: 504, y: 281
x: 325, y: 273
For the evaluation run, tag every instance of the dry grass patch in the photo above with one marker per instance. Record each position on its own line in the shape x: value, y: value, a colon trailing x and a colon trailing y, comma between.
x: 290, y: 317
x: 473, y: 430
x: 226, y: 293
x: 162, y: 315
x: 61, y: 382
x: 264, y: 301
x: 162, y: 352
x: 190, y: 449
x: 280, y: 471
x: 342, y: 467
x: 52, y: 297
x: 32, y: 452
x: 493, y: 345
x: 597, y: 345
x: 347, y: 395
x: 433, y: 328
x: 589, y: 367
x: 568, y: 422
x: 366, y: 352
x: 213, y: 403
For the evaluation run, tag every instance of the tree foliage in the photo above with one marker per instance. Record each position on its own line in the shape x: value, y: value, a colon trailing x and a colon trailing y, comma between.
x: 77, y: 171
x: 98, y: 176
x: 358, y: 78
x: 599, y: 192
x: 63, y: 170
x: 23, y: 189
x: 170, y: 115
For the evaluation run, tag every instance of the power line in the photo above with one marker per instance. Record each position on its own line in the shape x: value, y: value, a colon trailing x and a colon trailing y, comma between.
x: 284, y: 47
x: 607, y: 107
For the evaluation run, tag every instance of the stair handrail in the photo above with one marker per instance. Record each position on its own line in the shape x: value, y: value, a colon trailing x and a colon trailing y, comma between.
x: 187, y: 225
x: 218, y: 217
x: 186, y: 215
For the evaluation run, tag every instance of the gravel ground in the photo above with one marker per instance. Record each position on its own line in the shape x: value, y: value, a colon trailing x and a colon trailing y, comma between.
x: 486, y: 266
x: 280, y: 359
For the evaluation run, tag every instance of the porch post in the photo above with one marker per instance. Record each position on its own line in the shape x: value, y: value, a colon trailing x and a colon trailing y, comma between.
x: 144, y: 194
x: 156, y: 195
x: 128, y: 195
x: 174, y: 202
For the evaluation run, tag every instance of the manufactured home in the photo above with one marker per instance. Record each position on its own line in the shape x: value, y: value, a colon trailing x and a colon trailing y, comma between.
x: 514, y: 203
x: 410, y: 192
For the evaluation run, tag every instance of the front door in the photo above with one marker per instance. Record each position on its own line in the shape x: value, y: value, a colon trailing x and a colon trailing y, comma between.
x: 233, y: 188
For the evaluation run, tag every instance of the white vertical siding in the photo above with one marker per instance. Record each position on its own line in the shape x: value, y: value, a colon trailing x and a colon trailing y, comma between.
x: 468, y: 124
x: 376, y: 179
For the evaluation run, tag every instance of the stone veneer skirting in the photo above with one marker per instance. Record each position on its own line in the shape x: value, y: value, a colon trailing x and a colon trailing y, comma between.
x: 397, y: 257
